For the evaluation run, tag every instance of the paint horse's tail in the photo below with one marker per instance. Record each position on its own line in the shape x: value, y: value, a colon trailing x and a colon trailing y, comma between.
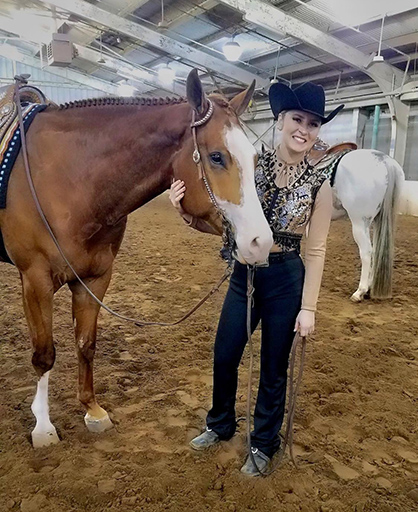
x: 384, y: 233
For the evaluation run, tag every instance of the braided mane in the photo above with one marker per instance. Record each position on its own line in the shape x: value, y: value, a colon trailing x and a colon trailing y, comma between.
x: 133, y: 100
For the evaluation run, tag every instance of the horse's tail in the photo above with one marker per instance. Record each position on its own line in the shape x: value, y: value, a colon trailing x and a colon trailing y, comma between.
x: 384, y: 234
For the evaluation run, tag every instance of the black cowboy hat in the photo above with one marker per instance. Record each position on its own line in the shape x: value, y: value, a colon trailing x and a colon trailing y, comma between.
x: 308, y: 97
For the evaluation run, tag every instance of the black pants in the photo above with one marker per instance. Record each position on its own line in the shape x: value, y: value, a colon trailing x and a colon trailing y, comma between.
x: 277, y: 301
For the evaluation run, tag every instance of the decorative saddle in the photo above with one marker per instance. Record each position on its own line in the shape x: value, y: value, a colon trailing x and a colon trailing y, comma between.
x: 322, y: 153
x: 8, y: 108
x: 32, y: 101
x: 326, y: 158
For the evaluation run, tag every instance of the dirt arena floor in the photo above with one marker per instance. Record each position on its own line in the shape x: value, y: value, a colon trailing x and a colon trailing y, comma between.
x: 357, y: 414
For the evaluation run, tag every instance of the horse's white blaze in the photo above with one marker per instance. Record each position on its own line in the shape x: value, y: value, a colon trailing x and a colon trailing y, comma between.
x: 44, y: 432
x: 252, y: 233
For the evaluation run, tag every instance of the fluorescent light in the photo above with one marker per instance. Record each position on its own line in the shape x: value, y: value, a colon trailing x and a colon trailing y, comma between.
x: 166, y: 75
x: 232, y: 50
x: 124, y: 89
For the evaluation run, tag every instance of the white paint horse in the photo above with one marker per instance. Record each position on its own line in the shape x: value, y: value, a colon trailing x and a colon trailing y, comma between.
x: 367, y: 187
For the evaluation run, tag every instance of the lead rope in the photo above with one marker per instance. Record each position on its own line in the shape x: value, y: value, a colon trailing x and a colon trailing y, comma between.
x: 293, y: 387
x: 22, y: 80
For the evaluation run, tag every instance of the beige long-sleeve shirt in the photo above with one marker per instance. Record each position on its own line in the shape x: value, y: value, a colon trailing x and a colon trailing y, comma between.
x: 315, y: 247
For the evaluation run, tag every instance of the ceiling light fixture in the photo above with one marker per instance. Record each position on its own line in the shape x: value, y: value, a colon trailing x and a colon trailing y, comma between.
x: 166, y: 75
x: 126, y: 90
x: 232, y: 50
x: 378, y: 57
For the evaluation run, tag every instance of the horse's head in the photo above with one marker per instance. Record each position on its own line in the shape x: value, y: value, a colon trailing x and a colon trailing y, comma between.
x: 228, y: 159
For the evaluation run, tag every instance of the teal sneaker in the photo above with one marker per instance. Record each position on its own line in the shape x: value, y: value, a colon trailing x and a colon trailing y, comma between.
x: 261, y: 460
x: 205, y: 440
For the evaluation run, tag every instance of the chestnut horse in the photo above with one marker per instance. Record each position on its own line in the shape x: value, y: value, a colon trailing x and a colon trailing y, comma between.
x: 91, y: 167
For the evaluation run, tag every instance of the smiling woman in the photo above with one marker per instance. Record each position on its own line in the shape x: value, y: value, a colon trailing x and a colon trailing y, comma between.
x: 299, y: 132
x: 292, y: 193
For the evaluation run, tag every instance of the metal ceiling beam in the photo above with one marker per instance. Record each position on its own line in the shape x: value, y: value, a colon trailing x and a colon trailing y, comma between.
x: 343, y: 71
x: 330, y: 59
x: 207, y: 5
x: 132, y: 6
x: 146, y: 81
x: 171, y: 46
x: 393, y: 42
x: 274, y: 19
x: 13, y: 53
x: 35, y: 62
x: 390, y: 43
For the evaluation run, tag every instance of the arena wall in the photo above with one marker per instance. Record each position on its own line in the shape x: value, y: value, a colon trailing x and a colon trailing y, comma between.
x: 409, y: 198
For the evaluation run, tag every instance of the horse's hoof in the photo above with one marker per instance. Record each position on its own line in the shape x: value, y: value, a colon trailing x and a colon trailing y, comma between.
x: 98, y: 425
x: 356, y: 298
x: 42, y: 439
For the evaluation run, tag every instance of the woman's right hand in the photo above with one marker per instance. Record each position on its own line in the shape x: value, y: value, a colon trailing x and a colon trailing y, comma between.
x: 177, y: 191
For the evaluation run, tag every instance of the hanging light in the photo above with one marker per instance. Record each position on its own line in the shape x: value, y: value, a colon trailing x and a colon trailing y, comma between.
x: 124, y: 89
x: 101, y: 59
x: 163, y: 23
x: 232, y: 50
x: 274, y: 79
x: 379, y: 57
x: 166, y: 75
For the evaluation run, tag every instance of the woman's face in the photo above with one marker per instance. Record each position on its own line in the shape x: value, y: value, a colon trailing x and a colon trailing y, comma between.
x: 299, y: 130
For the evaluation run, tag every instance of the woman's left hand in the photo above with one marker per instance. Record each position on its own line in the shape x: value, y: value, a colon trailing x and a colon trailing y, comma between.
x: 305, y: 322
x: 177, y: 191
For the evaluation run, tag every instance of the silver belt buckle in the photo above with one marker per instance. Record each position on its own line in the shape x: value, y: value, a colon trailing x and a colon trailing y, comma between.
x: 265, y: 264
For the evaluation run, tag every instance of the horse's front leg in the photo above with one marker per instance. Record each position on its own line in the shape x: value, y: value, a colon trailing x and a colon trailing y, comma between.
x: 361, y: 234
x: 38, y: 295
x: 85, y: 311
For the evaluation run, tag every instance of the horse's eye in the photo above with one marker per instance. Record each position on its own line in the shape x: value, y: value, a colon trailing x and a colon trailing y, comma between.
x: 217, y: 158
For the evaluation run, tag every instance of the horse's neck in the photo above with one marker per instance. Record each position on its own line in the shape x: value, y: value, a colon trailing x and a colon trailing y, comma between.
x: 130, y: 161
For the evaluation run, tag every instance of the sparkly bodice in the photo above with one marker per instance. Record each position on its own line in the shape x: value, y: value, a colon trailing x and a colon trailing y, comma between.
x: 287, y: 209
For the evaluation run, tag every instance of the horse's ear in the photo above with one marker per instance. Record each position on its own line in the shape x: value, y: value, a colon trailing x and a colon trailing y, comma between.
x: 195, y: 93
x: 240, y: 102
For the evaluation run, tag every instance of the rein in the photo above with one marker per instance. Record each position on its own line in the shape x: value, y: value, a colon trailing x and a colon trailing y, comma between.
x: 293, y: 386
x: 22, y: 79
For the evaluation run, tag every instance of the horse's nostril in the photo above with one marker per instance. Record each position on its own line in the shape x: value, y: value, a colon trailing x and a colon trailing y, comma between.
x: 255, y: 243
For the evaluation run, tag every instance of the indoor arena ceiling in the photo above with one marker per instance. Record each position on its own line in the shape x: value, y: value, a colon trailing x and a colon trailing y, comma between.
x: 349, y: 46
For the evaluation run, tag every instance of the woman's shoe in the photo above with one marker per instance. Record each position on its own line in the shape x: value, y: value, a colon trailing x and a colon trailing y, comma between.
x: 260, y: 459
x: 205, y: 440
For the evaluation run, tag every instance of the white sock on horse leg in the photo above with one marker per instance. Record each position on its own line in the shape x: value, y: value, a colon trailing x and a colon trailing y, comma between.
x: 44, y: 432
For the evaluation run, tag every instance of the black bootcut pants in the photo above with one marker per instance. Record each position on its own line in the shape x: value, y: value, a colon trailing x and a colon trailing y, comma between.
x: 277, y: 301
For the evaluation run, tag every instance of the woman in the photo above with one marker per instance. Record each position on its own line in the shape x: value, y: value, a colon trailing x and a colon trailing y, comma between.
x: 292, y: 193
